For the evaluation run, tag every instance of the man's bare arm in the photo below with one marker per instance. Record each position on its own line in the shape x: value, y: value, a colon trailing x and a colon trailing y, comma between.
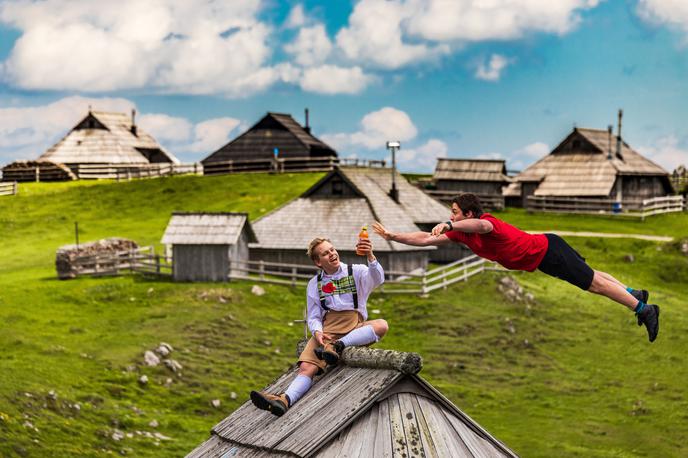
x: 411, y: 238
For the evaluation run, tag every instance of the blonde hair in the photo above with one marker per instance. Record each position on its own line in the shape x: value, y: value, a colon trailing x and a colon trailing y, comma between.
x: 313, y: 245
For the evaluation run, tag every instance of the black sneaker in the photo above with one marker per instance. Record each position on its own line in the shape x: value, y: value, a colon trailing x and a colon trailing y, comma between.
x: 319, y: 352
x: 333, y: 352
x: 641, y: 295
x: 649, y: 317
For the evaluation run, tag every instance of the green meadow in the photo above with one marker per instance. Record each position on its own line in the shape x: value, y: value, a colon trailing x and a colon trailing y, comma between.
x: 568, y: 374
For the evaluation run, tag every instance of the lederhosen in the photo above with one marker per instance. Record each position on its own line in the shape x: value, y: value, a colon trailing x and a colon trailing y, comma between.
x: 336, y: 323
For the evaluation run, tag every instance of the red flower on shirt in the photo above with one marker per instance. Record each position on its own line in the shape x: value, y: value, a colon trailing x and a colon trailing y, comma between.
x: 329, y: 288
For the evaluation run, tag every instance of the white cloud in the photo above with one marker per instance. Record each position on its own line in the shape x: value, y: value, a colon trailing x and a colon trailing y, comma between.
x: 212, y: 134
x: 330, y: 79
x: 296, y: 18
x: 165, y: 128
x: 673, y: 13
x: 311, y: 46
x: 192, y: 47
x: 535, y: 150
x: 374, y: 36
x: 422, y: 158
x: 667, y: 151
x: 481, y: 20
x: 377, y: 128
x: 492, y: 70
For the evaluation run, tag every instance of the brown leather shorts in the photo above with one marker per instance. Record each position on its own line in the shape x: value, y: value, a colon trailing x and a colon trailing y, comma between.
x: 336, y: 324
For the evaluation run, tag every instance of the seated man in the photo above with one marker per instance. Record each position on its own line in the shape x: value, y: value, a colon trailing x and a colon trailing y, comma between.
x: 336, y: 302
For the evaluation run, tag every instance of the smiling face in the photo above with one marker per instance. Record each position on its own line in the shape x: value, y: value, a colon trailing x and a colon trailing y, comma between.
x: 458, y: 215
x: 326, y: 257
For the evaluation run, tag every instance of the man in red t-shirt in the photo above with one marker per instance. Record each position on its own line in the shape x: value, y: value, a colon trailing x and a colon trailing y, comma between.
x: 493, y: 239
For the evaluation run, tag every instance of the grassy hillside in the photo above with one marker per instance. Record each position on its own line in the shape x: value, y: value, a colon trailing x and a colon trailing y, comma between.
x: 567, y: 375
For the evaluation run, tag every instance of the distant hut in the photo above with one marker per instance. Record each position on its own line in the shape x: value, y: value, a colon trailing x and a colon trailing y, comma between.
x: 338, y: 205
x: 208, y: 246
x: 100, y: 138
x: 484, y: 177
x: 593, y: 164
x: 276, y: 135
x: 391, y: 413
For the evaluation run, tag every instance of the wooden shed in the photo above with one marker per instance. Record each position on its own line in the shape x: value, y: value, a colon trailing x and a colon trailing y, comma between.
x: 397, y: 414
x: 99, y: 139
x: 208, y: 246
x: 338, y: 205
x: 592, y: 164
x: 276, y: 135
x: 484, y: 177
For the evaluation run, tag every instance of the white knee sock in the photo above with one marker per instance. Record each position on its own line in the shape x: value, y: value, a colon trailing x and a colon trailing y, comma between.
x: 297, y: 388
x: 360, y: 336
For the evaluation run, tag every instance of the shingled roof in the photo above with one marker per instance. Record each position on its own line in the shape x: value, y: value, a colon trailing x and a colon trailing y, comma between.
x: 292, y: 226
x: 471, y: 170
x: 106, y: 138
x: 206, y: 229
x: 355, y: 411
x: 580, y: 166
x: 274, y: 130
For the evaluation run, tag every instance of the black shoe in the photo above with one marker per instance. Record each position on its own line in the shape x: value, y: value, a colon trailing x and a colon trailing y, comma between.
x: 333, y: 352
x: 641, y: 295
x: 319, y: 352
x: 276, y: 405
x: 649, y: 317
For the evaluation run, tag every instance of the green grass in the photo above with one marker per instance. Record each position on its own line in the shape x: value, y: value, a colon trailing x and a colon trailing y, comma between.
x: 568, y: 375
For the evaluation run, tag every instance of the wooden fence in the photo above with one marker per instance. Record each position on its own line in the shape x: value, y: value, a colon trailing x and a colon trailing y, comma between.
x: 632, y: 208
x: 8, y: 189
x: 142, y: 260
x: 400, y: 282
x: 285, y: 165
x: 128, y: 172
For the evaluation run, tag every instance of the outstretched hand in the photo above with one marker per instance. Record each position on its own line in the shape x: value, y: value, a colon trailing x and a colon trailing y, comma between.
x: 440, y: 229
x: 321, y: 337
x: 382, y: 231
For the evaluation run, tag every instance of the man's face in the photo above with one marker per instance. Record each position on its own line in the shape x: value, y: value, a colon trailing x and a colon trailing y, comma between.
x: 458, y: 215
x: 328, y: 258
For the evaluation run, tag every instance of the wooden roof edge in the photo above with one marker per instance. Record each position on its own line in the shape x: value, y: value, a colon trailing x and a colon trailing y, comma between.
x: 247, y: 224
x: 470, y: 423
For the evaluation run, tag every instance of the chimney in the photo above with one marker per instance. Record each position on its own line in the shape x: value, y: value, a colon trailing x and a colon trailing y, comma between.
x: 393, y: 147
x: 133, y: 121
x: 307, y: 127
x: 609, y: 148
x: 618, y: 136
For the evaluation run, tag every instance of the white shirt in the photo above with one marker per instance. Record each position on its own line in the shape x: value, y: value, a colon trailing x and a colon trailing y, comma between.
x: 367, y: 278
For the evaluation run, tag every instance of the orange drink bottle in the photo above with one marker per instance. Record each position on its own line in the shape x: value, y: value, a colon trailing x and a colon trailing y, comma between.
x: 362, y: 235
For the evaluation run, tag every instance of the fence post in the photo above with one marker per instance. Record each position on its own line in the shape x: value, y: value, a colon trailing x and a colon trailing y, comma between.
x: 38, y: 174
x: 157, y: 264
x: 261, y: 269
x: 425, y: 282
x: 293, y: 277
x: 15, y: 188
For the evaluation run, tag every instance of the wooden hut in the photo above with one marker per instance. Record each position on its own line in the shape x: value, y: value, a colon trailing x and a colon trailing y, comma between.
x: 208, y: 246
x: 484, y: 177
x: 396, y: 414
x: 276, y: 136
x: 338, y: 205
x: 591, y: 164
x: 99, y: 139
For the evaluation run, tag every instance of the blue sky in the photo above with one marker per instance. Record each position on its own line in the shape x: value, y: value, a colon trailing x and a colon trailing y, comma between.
x: 449, y: 78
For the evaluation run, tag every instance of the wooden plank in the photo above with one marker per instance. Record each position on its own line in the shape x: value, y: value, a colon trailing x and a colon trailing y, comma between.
x: 410, y: 424
x: 383, y: 446
x: 479, y: 447
x: 442, y: 434
x: 399, y: 442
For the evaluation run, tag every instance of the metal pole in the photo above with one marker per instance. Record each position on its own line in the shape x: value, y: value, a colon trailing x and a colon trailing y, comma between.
x: 76, y: 233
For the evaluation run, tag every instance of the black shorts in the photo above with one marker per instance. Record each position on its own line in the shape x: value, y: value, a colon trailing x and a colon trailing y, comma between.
x: 564, y: 262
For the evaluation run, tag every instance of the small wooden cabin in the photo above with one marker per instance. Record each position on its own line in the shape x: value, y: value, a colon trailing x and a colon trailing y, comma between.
x: 276, y: 135
x: 594, y: 164
x: 99, y: 139
x: 366, y: 410
x: 208, y: 246
x: 484, y: 177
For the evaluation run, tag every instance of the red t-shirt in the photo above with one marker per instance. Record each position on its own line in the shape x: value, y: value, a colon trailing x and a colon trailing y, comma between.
x: 506, y: 244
